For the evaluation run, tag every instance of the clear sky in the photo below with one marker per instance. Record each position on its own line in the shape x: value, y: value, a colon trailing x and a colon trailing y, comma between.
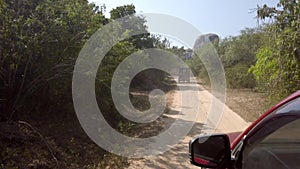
x: 223, y: 17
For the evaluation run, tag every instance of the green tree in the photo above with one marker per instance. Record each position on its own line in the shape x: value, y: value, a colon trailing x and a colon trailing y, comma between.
x: 41, y: 40
x: 122, y: 11
x: 280, y: 56
x: 238, y: 55
x: 39, y: 43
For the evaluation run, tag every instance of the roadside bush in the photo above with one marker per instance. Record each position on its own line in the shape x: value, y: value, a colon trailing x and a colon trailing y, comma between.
x: 239, y: 77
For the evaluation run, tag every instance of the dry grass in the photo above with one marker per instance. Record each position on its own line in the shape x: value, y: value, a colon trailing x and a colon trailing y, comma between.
x: 247, y: 103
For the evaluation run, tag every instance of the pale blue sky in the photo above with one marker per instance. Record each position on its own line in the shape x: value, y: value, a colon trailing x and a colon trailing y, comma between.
x: 222, y: 17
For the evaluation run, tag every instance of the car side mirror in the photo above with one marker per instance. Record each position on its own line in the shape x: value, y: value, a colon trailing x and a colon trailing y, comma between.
x: 210, y: 151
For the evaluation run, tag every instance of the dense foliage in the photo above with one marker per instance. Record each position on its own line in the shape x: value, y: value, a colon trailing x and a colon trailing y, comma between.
x: 39, y: 43
x: 277, y: 67
x: 238, y: 55
x: 267, y: 57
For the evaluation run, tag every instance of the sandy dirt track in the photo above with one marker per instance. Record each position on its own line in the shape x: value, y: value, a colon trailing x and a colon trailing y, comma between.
x: 177, y: 157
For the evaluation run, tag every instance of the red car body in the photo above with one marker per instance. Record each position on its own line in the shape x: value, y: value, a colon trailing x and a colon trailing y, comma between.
x: 272, y: 141
x: 236, y: 137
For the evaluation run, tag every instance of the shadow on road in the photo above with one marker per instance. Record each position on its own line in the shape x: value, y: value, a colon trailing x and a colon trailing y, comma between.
x: 177, y: 157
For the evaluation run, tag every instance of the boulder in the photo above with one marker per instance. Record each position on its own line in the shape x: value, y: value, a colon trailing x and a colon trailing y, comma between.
x: 205, y: 39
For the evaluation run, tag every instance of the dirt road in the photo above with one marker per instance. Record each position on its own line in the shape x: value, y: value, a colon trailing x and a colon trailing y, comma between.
x: 177, y: 157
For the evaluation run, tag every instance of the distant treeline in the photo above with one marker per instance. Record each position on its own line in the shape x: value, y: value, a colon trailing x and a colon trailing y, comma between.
x: 266, y: 58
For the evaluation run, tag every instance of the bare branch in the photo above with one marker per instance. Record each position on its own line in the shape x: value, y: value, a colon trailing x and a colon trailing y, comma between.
x: 43, y: 139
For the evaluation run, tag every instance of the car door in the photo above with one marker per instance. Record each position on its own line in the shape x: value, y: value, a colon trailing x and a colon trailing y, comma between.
x: 274, y: 142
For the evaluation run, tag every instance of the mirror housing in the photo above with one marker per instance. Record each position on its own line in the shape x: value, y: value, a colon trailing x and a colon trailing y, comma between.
x: 210, y: 151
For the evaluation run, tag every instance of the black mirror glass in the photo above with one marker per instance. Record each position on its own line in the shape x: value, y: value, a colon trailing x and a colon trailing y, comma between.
x: 210, y: 151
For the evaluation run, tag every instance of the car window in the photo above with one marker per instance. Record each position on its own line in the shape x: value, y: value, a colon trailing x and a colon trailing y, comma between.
x: 291, y: 106
x: 276, y: 145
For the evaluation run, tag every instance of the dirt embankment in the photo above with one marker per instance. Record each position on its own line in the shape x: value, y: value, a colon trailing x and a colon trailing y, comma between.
x: 247, y: 103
